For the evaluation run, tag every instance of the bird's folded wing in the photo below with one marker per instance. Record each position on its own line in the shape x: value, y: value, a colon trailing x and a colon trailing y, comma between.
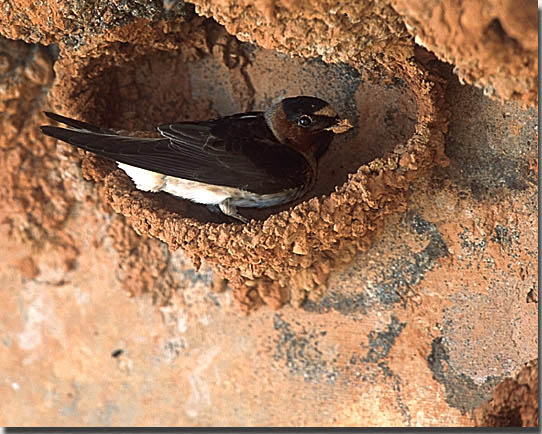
x: 203, y: 151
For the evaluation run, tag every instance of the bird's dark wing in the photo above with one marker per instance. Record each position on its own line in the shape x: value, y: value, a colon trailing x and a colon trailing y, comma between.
x: 236, y: 151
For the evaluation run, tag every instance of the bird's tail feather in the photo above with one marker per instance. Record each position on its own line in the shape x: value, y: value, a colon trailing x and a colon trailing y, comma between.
x: 74, y: 123
x: 93, y: 139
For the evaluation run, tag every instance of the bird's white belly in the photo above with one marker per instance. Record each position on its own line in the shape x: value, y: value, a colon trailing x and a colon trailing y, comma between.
x: 201, y: 192
x: 144, y: 179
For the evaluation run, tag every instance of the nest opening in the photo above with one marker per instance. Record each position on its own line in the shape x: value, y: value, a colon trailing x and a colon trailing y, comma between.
x: 137, y: 91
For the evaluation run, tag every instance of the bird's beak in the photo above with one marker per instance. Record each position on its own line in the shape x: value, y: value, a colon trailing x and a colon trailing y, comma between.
x: 340, y: 127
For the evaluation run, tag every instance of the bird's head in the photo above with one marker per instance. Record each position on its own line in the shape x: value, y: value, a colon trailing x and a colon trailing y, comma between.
x: 306, y: 123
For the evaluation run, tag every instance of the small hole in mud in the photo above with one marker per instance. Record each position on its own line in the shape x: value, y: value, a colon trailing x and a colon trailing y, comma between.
x: 160, y: 87
x: 117, y: 353
x: 495, y: 28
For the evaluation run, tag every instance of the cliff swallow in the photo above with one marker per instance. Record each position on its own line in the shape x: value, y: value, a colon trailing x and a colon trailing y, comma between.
x: 256, y: 159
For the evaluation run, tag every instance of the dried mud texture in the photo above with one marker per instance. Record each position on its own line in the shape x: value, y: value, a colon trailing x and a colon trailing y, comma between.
x: 514, y: 402
x: 42, y: 192
x: 28, y: 181
x: 492, y: 44
x: 283, y: 256
x: 358, y: 32
x: 76, y: 23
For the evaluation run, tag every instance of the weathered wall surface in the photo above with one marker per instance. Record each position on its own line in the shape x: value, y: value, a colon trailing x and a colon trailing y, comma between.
x: 406, y: 281
x: 492, y: 44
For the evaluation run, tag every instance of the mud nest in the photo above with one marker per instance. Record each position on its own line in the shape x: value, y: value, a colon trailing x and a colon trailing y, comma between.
x: 198, y: 71
x: 514, y: 401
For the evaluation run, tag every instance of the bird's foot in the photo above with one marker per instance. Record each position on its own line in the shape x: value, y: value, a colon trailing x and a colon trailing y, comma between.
x: 231, y: 210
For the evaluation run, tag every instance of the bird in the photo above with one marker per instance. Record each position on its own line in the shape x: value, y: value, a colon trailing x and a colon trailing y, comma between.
x: 247, y: 160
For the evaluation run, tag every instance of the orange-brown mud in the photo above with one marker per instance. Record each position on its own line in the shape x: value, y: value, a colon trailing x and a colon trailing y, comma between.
x: 413, y: 260
x: 285, y: 252
x: 514, y: 402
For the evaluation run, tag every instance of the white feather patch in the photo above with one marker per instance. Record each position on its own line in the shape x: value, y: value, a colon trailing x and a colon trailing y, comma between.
x: 201, y: 192
x: 144, y: 179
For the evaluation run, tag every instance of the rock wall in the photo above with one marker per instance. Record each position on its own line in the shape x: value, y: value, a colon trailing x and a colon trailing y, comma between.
x: 406, y: 279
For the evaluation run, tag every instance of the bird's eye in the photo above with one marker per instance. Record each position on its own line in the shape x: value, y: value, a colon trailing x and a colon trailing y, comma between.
x: 304, y: 121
